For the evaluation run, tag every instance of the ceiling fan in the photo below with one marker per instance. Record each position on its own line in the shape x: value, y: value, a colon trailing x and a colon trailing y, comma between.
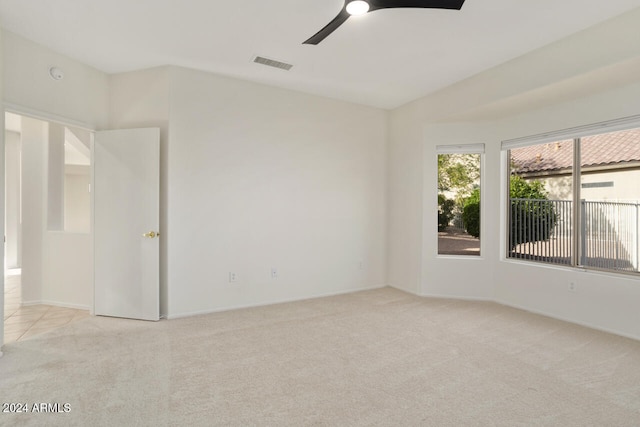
x: 360, y: 7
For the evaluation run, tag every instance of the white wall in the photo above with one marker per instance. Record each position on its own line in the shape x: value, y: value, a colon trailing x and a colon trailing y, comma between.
x: 603, y: 301
x: 12, y: 208
x: 34, y: 139
x: 317, y: 220
x: 137, y: 100
x: 405, y: 165
x: 80, y: 98
x: 524, y: 97
x: 55, y: 177
x: 77, y: 199
x: 68, y: 267
x: 255, y: 177
x: 57, y: 267
x: 261, y: 177
x: 471, y: 277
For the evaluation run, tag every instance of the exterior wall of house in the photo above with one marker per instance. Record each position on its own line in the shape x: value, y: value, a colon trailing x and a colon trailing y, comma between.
x: 620, y: 186
x: 624, y: 186
x: 558, y: 187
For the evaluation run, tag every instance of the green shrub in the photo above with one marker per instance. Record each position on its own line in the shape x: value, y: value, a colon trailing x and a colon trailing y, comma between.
x: 532, y: 220
x: 471, y: 213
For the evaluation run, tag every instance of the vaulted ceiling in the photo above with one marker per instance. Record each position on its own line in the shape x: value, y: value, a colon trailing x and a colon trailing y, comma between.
x: 385, y: 58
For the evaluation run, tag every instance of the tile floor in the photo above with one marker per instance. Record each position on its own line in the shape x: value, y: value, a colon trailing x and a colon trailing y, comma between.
x: 23, y: 322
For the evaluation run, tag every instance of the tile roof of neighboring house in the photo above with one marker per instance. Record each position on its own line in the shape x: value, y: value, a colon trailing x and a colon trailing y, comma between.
x: 599, y: 150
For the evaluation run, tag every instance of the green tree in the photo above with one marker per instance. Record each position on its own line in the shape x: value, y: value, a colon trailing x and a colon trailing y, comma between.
x: 519, y: 188
x: 458, y: 172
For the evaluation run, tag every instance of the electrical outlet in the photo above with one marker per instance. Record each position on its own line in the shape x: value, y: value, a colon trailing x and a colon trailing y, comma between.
x: 274, y: 273
x: 232, y: 277
x: 571, y: 287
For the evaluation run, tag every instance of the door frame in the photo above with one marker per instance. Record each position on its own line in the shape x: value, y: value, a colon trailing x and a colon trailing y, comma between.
x: 48, y: 117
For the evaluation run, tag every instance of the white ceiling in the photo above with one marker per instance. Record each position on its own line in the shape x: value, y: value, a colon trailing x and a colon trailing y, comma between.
x: 383, y: 59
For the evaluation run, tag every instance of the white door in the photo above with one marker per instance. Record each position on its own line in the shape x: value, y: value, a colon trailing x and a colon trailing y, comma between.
x: 126, y: 223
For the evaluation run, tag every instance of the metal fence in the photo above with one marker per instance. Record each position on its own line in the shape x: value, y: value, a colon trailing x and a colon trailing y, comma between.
x: 457, y: 220
x: 609, y: 235
x: 542, y: 230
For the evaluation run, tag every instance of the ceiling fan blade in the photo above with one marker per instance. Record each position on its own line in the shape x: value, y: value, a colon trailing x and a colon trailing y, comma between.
x: 382, y: 4
x: 329, y: 28
x: 432, y: 4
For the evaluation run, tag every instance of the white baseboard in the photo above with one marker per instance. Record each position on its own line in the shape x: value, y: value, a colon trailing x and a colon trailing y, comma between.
x: 279, y: 301
x: 573, y: 321
x: 456, y: 297
x: 527, y: 309
x: 56, y: 304
x: 412, y: 292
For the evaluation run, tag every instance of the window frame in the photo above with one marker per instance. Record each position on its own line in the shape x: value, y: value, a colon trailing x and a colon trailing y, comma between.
x: 575, y: 134
x: 475, y: 148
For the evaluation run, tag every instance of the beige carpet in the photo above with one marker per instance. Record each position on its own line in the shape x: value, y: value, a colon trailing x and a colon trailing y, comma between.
x: 379, y: 358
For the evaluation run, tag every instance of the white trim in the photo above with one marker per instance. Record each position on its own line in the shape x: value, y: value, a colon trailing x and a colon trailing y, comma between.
x: 465, y: 257
x: 464, y: 149
x: 567, y: 320
x: 48, y: 117
x: 528, y: 310
x: 611, y: 274
x: 460, y: 149
x: 92, y: 212
x: 575, y: 134
x: 56, y: 304
x: 398, y: 288
x: 458, y: 298
x: 2, y: 214
x: 503, y: 225
x: 571, y: 133
x: 268, y: 303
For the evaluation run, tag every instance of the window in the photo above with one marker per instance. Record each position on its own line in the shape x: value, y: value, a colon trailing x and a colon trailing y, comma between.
x: 459, y: 199
x: 576, y: 201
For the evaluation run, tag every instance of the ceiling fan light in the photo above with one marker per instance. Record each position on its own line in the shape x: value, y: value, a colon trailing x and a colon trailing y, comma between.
x: 357, y: 7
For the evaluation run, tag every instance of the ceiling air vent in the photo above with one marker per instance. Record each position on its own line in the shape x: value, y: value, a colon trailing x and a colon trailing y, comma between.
x: 272, y: 63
